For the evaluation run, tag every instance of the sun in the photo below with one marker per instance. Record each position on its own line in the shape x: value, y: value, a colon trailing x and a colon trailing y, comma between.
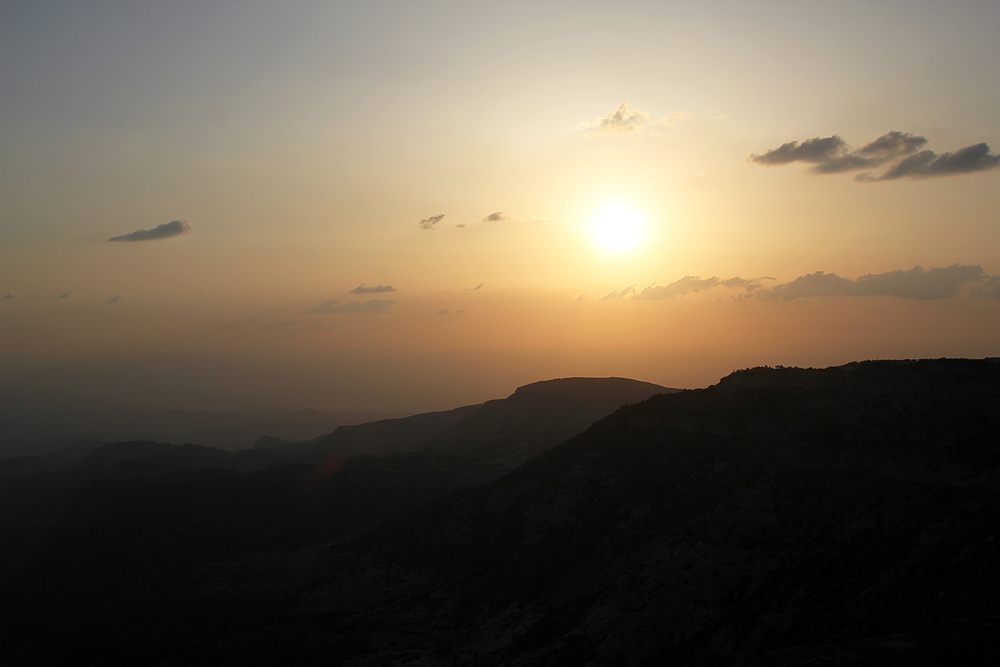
x: 617, y: 228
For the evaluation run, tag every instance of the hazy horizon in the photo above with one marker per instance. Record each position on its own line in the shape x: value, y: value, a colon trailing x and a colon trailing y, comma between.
x: 410, y: 207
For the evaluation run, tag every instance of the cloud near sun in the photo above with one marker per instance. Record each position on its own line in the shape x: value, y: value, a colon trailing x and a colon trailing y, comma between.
x: 917, y: 283
x: 628, y: 121
x: 831, y: 155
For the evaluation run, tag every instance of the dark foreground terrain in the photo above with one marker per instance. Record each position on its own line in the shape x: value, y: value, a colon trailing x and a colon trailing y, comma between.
x: 844, y: 516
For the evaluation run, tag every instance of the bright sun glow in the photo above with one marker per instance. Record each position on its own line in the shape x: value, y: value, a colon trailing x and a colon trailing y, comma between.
x: 617, y: 229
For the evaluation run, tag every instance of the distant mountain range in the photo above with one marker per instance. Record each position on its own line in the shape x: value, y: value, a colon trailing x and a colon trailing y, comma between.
x: 781, y: 517
x: 32, y: 433
x: 197, y: 504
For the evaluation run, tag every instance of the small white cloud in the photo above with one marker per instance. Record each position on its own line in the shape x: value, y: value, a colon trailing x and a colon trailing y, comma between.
x: 620, y: 121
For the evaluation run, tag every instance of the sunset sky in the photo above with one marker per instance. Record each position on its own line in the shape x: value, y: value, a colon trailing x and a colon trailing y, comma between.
x: 412, y: 206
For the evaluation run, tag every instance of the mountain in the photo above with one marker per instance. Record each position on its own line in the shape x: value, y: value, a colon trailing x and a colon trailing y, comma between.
x: 534, y: 417
x: 132, y: 521
x: 29, y: 433
x: 783, y: 516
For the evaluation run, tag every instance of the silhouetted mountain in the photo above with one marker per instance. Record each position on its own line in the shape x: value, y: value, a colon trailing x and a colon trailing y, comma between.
x: 535, y: 417
x: 268, y: 442
x: 133, y: 520
x: 783, y: 516
x: 32, y: 433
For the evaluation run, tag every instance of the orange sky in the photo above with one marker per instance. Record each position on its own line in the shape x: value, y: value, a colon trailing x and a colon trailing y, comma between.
x: 309, y: 151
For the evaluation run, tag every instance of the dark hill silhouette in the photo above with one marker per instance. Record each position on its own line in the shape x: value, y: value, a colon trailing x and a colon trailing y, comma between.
x: 134, y: 520
x: 784, y: 516
x: 533, y: 417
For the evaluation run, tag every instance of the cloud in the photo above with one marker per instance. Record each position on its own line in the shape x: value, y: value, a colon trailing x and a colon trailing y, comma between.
x: 460, y: 226
x: 831, y: 155
x: 114, y: 299
x: 167, y: 230
x: 378, y: 289
x: 619, y: 294
x: 811, y: 150
x: 429, y: 223
x: 917, y: 283
x: 927, y: 164
x: 695, y: 284
x: 477, y: 287
x: 674, y: 118
x: 582, y: 296
x: 495, y: 217
x: 64, y: 295
x: 371, y: 306
x: 989, y: 287
x: 620, y: 121
x: 8, y: 295
x: 443, y: 311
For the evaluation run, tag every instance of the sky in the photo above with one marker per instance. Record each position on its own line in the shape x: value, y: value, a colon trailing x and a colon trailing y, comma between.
x: 410, y: 206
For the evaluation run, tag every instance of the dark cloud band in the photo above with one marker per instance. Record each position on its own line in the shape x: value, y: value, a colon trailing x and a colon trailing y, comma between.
x: 167, y: 230
x: 378, y: 289
x: 831, y: 155
x: 916, y: 283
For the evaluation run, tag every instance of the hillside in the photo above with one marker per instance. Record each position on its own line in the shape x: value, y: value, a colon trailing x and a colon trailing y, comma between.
x: 783, y: 516
x: 132, y: 521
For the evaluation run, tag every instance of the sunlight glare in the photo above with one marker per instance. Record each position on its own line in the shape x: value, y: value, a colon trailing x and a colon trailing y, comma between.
x: 617, y: 228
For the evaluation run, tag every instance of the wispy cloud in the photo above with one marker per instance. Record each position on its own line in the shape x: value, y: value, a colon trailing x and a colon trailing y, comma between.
x: 8, y: 295
x: 371, y: 306
x: 64, y: 295
x: 495, y: 217
x: 989, y: 287
x: 624, y: 120
x: 443, y: 311
x: 167, y: 230
x: 619, y: 293
x: 689, y: 284
x: 429, y: 223
x: 831, y: 155
x: 114, y: 299
x: 620, y: 121
x: 477, y: 287
x: 673, y: 119
x: 378, y: 289
x: 916, y: 283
